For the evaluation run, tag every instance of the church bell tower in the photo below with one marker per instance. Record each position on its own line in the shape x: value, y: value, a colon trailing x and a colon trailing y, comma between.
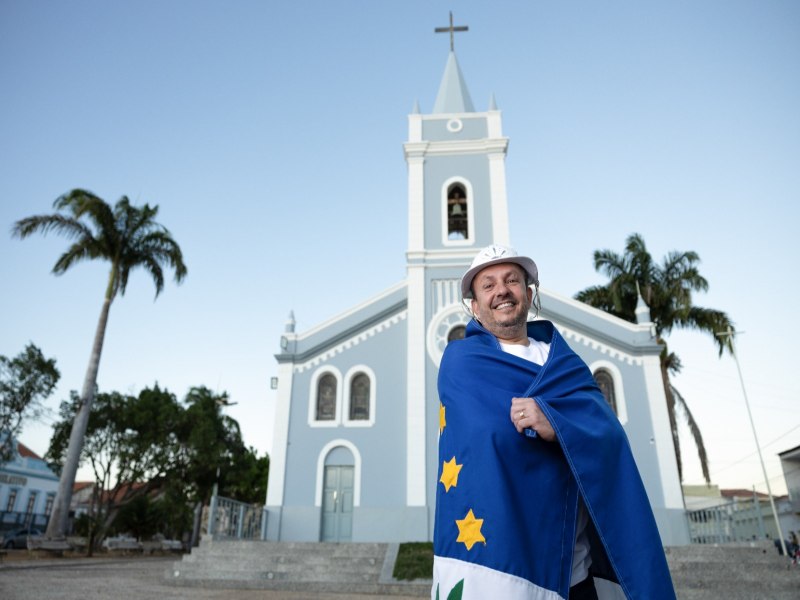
x: 456, y: 205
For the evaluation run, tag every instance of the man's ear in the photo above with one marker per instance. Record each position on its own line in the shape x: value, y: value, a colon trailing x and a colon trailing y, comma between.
x: 530, y: 295
x: 473, y: 304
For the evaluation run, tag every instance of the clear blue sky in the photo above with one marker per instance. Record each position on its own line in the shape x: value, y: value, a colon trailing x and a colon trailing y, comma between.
x: 270, y: 134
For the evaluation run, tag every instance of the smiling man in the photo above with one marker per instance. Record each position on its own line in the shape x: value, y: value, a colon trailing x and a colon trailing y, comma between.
x: 540, y: 497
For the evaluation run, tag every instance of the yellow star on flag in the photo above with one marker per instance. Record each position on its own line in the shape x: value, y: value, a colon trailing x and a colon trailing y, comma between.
x: 442, y: 421
x: 469, y: 530
x: 450, y: 471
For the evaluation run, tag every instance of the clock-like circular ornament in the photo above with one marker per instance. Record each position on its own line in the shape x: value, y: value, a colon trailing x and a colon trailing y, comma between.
x: 455, y: 125
x: 440, y: 328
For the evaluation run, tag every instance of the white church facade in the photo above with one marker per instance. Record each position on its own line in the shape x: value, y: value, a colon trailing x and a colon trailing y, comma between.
x: 357, y: 415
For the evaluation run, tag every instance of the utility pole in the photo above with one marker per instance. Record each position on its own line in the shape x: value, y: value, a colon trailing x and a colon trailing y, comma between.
x: 730, y: 334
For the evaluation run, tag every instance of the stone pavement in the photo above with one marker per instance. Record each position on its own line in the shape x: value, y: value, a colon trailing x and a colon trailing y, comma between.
x: 122, y: 578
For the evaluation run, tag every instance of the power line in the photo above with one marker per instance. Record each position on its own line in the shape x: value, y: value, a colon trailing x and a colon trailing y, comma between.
x: 744, y: 458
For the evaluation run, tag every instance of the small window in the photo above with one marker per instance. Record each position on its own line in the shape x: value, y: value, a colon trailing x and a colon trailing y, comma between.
x: 456, y: 333
x: 48, y: 507
x: 606, y: 384
x: 326, y: 398
x: 31, y: 503
x: 457, y: 222
x: 359, y: 397
x: 12, y: 500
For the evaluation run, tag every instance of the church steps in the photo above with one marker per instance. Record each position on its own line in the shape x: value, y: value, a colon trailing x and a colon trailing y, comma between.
x: 733, y: 572
x: 321, y: 567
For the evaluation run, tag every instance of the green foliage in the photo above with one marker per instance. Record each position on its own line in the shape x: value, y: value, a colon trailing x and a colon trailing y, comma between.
x: 126, y: 236
x: 414, y: 561
x: 25, y: 381
x: 667, y: 290
x: 156, y: 457
x: 141, y: 517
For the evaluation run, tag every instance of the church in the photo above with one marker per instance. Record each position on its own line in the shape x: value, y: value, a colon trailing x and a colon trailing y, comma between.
x: 357, y: 414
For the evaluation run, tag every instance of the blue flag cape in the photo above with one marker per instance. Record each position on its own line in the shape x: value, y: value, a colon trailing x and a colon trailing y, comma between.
x: 511, y: 505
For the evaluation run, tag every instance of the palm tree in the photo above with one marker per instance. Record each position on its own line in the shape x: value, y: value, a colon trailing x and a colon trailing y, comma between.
x: 667, y: 289
x: 127, y: 237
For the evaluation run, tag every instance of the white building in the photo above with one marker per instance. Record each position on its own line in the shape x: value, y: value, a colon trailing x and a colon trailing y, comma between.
x: 27, y: 489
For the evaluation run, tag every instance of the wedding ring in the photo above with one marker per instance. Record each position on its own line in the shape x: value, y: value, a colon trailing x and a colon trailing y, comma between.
x: 522, y: 414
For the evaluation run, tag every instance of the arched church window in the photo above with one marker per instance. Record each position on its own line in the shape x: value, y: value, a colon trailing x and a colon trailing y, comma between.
x: 457, y: 223
x: 359, y: 397
x: 456, y: 333
x: 606, y: 384
x: 326, y: 398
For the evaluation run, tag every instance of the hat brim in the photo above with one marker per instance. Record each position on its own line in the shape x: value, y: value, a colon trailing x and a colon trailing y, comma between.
x: 523, y: 261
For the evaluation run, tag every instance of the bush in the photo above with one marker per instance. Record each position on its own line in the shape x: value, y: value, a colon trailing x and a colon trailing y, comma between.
x: 414, y: 561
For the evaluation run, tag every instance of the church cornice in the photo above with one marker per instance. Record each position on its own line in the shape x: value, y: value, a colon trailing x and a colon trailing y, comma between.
x: 317, y: 356
x: 346, y: 326
x: 456, y: 147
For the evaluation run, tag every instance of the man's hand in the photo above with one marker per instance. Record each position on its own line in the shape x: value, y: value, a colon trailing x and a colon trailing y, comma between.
x: 526, y: 413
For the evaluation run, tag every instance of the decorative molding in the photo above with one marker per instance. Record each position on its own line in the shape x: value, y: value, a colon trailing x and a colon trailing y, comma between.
x: 456, y: 147
x: 619, y: 387
x: 445, y: 293
x: 351, y: 342
x: 615, y: 353
x: 455, y: 125
x: 439, y: 328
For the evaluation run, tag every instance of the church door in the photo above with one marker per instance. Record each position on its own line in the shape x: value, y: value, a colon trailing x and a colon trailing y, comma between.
x: 337, y: 504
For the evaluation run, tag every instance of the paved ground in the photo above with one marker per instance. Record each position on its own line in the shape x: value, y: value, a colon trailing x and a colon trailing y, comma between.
x: 134, y: 578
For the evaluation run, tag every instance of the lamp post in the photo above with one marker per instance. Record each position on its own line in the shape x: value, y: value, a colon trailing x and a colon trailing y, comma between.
x: 730, y: 334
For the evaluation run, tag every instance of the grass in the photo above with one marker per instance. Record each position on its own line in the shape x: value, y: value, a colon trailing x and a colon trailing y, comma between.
x: 414, y: 561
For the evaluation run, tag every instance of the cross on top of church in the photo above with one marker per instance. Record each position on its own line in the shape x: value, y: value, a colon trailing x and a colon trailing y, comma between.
x: 451, y: 29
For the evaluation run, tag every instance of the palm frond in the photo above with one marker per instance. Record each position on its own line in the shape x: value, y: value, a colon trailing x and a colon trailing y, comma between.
x: 695, y: 431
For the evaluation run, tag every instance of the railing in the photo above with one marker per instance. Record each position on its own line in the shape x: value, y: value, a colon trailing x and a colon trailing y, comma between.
x: 734, y: 522
x: 231, y: 519
x: 15, y: 519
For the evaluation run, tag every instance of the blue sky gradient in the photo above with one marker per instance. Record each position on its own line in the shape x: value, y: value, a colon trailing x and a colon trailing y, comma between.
x: 270, y: 135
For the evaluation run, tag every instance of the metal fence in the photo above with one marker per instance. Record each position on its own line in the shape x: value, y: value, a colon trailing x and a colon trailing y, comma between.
x: 734, y: 522
x: 231, y: 519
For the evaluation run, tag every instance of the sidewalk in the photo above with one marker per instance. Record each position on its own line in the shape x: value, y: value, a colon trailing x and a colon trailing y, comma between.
x: 122, y: 578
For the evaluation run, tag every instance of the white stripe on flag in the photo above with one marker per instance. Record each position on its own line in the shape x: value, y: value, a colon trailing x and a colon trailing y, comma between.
x: 481, y: 583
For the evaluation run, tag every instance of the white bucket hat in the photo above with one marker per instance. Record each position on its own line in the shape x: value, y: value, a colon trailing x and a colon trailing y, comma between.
x: 495, y: 254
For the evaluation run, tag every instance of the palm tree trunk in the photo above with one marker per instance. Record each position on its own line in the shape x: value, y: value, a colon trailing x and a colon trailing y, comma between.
x: 57, y: 525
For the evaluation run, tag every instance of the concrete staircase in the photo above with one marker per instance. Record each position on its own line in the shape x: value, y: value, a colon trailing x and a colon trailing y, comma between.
x: 731, y: 572
x: 294, y: 566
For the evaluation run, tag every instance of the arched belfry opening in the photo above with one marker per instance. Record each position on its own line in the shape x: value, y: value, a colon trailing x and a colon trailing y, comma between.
x: 457, y: 221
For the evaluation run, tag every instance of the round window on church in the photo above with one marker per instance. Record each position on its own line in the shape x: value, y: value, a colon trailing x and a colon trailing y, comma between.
x: 456, y: 333
x: 455, y: 125
x: 447, y: 325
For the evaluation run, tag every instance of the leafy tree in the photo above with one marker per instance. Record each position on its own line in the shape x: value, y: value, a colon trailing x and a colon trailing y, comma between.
x: 667, y: 289
x: 25, y: 381
x: 129, y: 444
x: 247, y: 479
x: 127, y: 237
x: 213, y: 442
x: 171, y: 453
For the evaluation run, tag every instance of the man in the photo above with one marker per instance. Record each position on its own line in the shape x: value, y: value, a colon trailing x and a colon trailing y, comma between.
x: 539, y: 496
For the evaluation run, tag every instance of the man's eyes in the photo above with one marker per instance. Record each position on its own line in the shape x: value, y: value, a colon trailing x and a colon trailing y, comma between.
x: 510, y: 281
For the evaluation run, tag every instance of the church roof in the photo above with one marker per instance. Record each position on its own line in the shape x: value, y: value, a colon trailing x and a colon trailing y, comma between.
x: 453, y: 96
